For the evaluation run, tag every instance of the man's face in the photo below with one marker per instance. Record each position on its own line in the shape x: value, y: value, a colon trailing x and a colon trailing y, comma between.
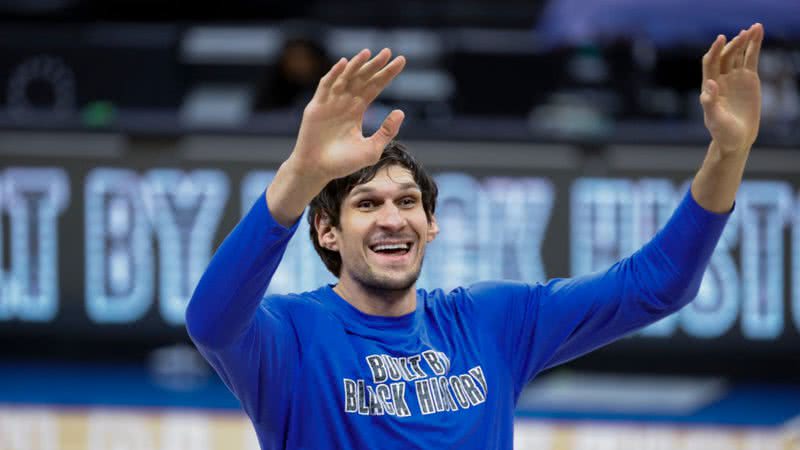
x: 383, y: 231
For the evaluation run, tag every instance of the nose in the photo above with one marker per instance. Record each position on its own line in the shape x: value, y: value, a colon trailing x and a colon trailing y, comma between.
x: 390, y: 217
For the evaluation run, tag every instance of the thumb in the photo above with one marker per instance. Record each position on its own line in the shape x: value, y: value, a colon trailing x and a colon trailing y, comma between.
x: 388, y: 130
x: 709, y: 96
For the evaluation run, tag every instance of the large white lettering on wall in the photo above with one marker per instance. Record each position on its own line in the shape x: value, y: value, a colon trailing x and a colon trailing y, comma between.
x: 119, y: 255
x: 147, y: 236
x: 613, y: 217
x: 33, y: 198
x: 184, y: 209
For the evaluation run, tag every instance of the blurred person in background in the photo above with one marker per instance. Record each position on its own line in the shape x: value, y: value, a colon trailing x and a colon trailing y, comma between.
x: 291, y: 83
x: 373, y: 362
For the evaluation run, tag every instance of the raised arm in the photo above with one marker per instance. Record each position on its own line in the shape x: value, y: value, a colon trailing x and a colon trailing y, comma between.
x: 548, y: 324
x: 731, y: 99
x: 665, y: 274
x: 255, y: 348
x: 330, y: 144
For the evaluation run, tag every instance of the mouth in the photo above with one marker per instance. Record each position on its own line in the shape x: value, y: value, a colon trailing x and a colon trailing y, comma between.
x: 396, y: 251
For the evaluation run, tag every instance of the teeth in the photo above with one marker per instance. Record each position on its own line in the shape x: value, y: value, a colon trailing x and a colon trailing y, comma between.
x: 391, y: 247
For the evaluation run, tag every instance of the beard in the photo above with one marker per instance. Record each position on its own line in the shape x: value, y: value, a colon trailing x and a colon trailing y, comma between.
x: 376, y: 282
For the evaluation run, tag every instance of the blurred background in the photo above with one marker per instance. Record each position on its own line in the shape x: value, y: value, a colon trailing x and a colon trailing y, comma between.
x: 134, y: 134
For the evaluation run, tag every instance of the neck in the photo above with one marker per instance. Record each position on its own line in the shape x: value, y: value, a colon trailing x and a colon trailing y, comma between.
x: 377, y: 302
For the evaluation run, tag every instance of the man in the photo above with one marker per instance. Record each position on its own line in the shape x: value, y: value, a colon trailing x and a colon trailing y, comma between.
x: 372, y: 362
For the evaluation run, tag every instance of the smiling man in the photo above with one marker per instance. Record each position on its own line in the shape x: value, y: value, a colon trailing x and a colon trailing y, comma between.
x: 373, y: 362
x: 379, y: 221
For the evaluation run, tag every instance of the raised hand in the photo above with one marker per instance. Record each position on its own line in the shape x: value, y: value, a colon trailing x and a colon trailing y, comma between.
x: 731, y: 91
x: 331, y: 143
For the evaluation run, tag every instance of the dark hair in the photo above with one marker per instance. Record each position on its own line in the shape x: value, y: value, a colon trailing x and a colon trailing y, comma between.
x: 329, y: 200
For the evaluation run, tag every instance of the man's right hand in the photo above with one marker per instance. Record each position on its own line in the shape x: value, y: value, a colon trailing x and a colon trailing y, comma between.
x: 331, y: 143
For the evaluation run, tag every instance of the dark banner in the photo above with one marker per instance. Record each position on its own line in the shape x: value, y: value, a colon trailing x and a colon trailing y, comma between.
x: 104, y: 252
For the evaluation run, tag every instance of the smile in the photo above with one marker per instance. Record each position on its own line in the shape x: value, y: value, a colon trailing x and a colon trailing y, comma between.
x: 392, y: 252
x: 399, y: 248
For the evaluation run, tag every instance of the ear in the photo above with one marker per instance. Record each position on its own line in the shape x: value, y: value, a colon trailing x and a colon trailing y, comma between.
x: 433, y: 228
x: 325, y: 232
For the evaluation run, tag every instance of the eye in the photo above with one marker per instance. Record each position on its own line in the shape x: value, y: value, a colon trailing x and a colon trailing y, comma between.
x: 408, y: 201
x: 365, y: 204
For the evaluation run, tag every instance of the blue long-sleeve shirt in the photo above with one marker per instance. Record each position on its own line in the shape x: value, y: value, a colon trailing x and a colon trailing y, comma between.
x: 313, y: 372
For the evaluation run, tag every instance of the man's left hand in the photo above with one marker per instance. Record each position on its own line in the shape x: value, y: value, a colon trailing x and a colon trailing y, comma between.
x: 731, y: 91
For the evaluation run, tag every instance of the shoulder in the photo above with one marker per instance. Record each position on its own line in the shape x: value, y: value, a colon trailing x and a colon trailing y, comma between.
x: 498, y: 289
x: 479, y: 295
x: 292, y: 304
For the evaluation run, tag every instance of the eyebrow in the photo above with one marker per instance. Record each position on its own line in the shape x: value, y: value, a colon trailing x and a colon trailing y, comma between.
x: 365, y: 189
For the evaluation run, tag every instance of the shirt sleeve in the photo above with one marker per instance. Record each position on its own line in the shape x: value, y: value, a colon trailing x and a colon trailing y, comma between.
x: 543, y: 325
x: 251, y: 345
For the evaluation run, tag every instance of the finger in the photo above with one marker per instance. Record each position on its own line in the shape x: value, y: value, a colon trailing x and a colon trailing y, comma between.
x: 729, y: 52
x: 380, y: 80
x: 355, y: 64
x: 711, y: 59
x: 754, y: 48
x: 388, y: 130
x: 375, y: 64
x: 738, y: 56
x: 329, y: 78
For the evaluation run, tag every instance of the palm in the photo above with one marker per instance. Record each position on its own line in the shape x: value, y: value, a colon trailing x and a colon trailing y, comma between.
x: 335, y: 134
x: 739, y: 108
x: 331, y: 140
x: 731, y: 95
